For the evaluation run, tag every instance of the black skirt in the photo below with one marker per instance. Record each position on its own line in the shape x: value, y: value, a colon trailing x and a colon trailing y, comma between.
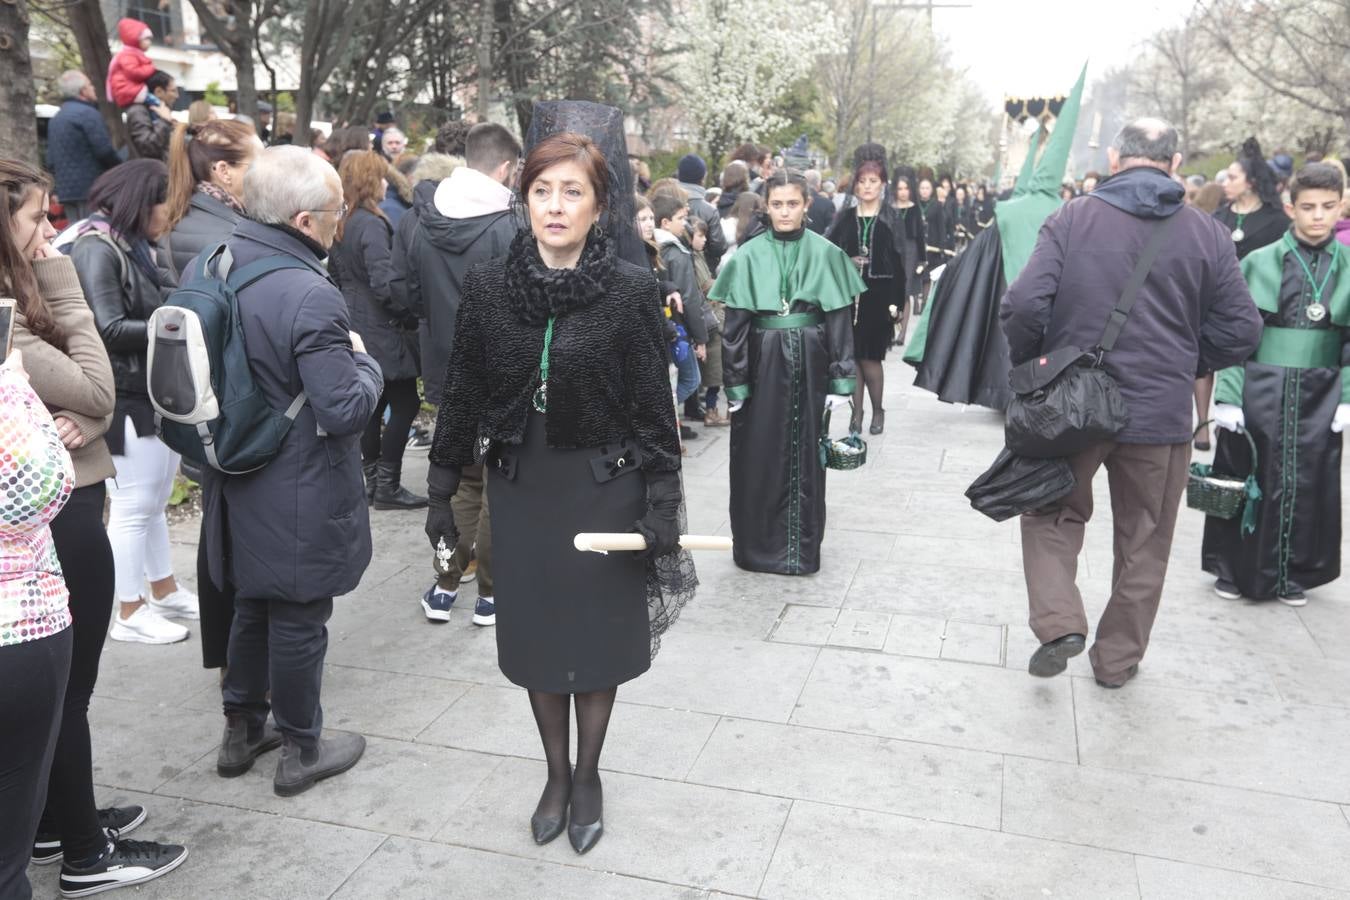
x: 874, y: 330
x: 567, y: 621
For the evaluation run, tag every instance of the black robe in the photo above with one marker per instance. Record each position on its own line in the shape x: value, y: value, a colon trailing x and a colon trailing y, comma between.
x: 1265, y: 226
x: 912, y: 247
x: 781, y: 368
x: 1288, y: 411
x: 938, y: 248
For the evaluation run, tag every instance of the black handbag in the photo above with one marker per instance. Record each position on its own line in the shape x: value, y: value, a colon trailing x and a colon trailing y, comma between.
x: 1014, y: 485
x: 1064, y: 402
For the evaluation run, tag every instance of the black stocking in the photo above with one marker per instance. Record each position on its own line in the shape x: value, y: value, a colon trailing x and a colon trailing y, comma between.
x: 552, y: 716
x: 874, y: 377
x: 593, y: 711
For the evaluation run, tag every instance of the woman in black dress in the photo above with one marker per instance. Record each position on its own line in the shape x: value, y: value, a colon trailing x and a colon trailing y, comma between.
x: 872, y: 234
x: 558, y: 384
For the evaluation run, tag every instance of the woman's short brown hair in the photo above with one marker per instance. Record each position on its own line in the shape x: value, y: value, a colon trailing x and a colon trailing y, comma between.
x: 568, y: 146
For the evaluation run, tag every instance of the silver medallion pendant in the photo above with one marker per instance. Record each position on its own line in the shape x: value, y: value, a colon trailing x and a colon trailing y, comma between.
x: 540, y: 399
x: 1238, y: 235
x: 866, y: 251
x: 1315, y: 312
x: 444, y: 557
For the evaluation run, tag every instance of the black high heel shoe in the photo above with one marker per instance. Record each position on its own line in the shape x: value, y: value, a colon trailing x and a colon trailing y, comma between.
x: 584, y: 837
x: 546, y: 828
x: 878, y: 422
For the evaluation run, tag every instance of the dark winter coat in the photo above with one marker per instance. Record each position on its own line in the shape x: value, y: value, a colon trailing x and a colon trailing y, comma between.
x: 1193, y: 313
x: 208, y: 222
x: 608, y: 377
x: 150, y: 133
x: 700, y: 207
x: 432, y: 255
x: 360, y: 264
x: 297, y: 529
x: 679, y: 263
x: 122, y: 296
x: 393, y: 205
x: 820, y: 214
x: 79, y: 149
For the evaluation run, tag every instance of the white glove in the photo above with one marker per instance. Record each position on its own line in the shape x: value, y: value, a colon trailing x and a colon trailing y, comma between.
x: 1341, y: 419
x: 1230, y: 417
x: 735, y: 406
x: 834, y: 401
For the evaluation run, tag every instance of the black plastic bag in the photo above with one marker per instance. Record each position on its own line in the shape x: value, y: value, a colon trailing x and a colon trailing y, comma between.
x: 1062, y: 404
x: 1017, y: 484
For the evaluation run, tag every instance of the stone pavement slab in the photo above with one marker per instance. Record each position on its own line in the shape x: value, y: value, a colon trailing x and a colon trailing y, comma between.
x: 869, y: 731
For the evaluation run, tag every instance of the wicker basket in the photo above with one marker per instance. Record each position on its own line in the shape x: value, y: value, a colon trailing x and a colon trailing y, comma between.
x: 1223, y: 497
x: 842, y: 453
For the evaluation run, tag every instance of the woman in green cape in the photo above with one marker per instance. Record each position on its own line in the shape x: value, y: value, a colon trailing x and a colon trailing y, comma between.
x: 787, y: 353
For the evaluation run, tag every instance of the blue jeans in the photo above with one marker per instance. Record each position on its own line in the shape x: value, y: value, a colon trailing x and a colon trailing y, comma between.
x: 689, y: 378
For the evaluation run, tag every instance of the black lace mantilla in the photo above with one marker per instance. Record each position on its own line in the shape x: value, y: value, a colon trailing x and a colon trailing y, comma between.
x: 671, y: 583
x: 534, y: 291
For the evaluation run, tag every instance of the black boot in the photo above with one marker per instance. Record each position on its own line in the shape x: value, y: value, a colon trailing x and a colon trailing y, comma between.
x: 368, y: 469
x: 390, y: 493
x: 239, y: 748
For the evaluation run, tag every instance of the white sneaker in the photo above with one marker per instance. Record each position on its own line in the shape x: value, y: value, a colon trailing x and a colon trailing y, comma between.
x: 145, y: 626
x: 180, y: 604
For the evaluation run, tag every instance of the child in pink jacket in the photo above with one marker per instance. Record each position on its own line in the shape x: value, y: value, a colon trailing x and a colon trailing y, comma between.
x: 129, y: 69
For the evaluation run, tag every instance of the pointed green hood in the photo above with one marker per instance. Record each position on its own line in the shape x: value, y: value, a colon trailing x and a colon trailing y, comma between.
x: 1019, y: 218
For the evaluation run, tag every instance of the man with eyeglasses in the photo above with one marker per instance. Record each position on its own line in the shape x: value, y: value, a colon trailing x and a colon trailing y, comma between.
x: 294, y: 534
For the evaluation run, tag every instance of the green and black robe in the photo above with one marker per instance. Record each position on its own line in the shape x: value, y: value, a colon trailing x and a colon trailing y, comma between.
x: 1288, y: 391
x: 786, y: 344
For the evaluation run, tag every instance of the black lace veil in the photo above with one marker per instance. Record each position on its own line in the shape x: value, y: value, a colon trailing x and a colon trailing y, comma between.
x: 671, y: 579
x: 603, y: 125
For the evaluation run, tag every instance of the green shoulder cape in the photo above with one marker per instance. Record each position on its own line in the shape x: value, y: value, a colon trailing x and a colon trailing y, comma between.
x: 823, y: 275
x: 1264, y: 271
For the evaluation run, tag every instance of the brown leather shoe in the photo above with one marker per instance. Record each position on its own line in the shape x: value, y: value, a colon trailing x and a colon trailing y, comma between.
x: 714, y: 419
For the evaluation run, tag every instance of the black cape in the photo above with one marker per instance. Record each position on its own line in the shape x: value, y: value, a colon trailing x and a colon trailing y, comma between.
x: 964, y: 353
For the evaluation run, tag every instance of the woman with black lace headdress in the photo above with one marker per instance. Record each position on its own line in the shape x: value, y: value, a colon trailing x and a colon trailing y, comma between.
x: 558, y: 384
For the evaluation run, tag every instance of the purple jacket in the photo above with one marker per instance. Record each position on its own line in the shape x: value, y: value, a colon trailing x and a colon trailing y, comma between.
x: 1194, y: 313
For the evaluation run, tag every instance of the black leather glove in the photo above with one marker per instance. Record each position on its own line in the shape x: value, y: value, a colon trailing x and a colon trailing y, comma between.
x: 442, y: 482
x: 661, y: 525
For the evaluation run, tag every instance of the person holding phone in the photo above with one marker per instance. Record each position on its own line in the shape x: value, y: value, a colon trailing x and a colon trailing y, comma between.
x: 69, y: 370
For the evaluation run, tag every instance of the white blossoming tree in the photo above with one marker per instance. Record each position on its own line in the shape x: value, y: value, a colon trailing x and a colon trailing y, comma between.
x: 744, y: 56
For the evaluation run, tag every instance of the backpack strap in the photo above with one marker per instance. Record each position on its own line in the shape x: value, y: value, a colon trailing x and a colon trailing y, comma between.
x: 250, y: 273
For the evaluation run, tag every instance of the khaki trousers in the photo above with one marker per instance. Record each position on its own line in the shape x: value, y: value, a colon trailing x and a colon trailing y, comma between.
x: 1147, y: 481
x: 470, y: 509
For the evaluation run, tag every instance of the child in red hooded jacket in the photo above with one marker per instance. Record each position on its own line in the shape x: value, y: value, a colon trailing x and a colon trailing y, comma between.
x: 129, y: 69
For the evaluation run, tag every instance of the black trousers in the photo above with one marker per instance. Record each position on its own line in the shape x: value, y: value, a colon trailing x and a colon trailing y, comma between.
x: 87, y: 560
x: 279, y: 645
x: 34, y: 677
x: 401, y: 398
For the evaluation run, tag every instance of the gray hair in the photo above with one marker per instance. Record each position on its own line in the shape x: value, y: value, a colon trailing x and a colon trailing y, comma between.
x: 1148, y: 138
x: 71, y: 82
x: 812, y: 177
x: 286, y: 181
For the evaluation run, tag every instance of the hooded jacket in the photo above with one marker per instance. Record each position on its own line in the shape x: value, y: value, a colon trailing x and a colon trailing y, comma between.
x: 679, y: 262
x: 464, y: 220
x: 1193, y: 313
x: 131, y: 67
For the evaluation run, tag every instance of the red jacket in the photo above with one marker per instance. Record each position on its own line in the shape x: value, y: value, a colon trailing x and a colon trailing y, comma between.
x: 129, y: 69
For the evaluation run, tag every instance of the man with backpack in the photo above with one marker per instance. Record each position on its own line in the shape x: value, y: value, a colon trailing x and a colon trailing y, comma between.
x: 295, y: 532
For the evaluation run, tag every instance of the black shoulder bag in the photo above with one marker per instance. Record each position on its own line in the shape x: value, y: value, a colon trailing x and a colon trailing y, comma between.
x: 1064, y: 401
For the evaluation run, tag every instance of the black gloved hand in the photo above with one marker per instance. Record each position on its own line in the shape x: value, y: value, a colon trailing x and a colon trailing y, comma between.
x: 661, y: 525
x: 442, y: 482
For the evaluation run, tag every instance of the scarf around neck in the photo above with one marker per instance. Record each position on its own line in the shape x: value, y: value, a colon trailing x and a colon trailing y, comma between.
x: 535, y: 292
x: 220, y: 195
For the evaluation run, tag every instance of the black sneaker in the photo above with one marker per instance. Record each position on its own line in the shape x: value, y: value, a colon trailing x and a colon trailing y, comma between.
x: 120, y: 819
x: 125, y: 863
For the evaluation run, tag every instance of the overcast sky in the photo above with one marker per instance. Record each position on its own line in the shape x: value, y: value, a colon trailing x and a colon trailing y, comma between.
x: 1036, y: 47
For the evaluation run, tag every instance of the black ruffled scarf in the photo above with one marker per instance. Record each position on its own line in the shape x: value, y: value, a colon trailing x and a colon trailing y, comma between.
x: 534, y: 291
